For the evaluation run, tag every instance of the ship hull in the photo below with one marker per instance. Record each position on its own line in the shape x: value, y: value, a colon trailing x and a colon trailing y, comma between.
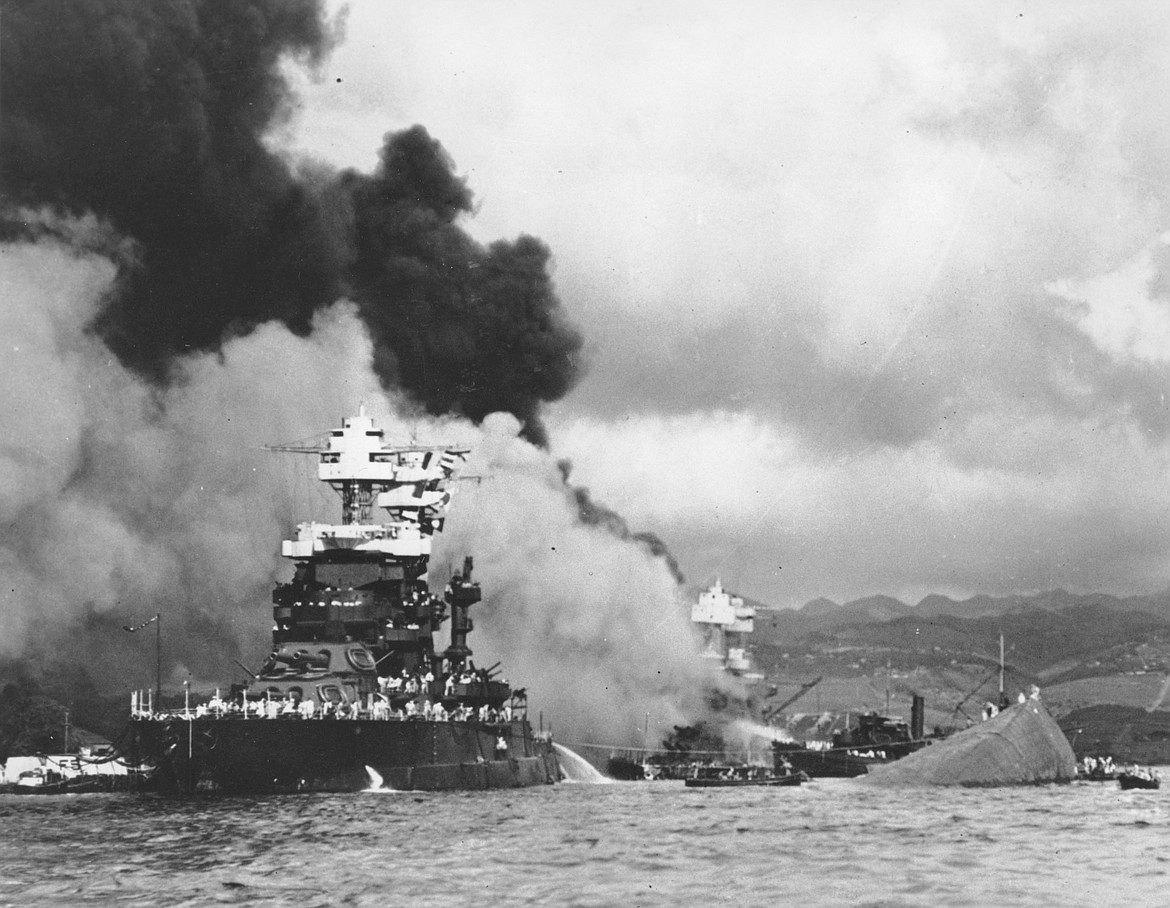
x: 1022, y: 745
x: 821, y: 764
x: 272, y: 756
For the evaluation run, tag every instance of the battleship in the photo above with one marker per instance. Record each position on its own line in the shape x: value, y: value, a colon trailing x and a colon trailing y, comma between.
x: 354, y: 693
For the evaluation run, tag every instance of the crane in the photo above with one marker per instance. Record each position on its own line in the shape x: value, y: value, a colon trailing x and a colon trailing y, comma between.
x: 771, y: 711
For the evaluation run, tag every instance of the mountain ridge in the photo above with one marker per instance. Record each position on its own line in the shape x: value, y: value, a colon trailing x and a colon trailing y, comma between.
x: 1052, y: 636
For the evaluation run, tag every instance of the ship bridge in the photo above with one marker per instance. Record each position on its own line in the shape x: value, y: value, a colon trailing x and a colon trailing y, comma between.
x: 364, y: 579
x: 409, y: 482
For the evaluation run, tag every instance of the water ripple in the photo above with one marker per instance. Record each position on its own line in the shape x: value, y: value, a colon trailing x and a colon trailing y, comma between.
x: 829, y: 843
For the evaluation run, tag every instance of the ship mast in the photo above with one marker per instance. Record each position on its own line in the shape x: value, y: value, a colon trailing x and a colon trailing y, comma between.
x: 409, y: 482
x: 1001, y: 701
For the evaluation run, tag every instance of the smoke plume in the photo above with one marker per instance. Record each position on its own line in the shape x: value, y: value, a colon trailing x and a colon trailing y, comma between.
x: 177, y: 294
x: 598, y: 624
x: 153, y: 116
x: 594, y: 513
x: 471, y: 330
x: 121, y: 498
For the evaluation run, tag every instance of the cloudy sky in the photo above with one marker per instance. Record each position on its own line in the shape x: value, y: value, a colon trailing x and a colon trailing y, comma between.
x: 874, y: 295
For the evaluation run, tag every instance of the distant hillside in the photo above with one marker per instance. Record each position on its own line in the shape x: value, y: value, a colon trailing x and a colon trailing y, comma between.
x: 1101, y: 661
x: 776, y: 626
x: 1050, y: 637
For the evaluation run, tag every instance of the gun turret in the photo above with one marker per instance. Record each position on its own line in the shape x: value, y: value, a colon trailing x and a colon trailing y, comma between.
x: 301, y: 660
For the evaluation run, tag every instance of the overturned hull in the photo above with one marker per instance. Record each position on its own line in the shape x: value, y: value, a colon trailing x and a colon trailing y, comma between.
x: 263, y: 756
x: 1022, y: 745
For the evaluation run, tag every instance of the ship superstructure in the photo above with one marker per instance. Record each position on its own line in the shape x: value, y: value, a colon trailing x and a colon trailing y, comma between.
x: 725, y: 622
x: 354, y: 643
x: 364, y: 580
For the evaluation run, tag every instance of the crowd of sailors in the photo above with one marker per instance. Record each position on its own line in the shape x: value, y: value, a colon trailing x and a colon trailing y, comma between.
x: 1103, y: 769
x: 421, y: 682
x: 1098, y: 767
x: 992, y: 709
x: 400, y: 697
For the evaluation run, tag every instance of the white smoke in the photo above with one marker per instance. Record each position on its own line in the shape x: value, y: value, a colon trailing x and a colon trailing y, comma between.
x: 119, y: 499
x: 593, y: 625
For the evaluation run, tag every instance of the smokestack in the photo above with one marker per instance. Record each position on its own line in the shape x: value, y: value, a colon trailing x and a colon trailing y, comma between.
x: 917, y: 717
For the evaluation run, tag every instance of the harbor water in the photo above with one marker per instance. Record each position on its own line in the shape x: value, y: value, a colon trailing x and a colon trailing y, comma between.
x: 831, y: 842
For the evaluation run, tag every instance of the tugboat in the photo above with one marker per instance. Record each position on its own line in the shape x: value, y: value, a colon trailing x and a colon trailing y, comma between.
x: 354, y: 692
x: 877, y: 740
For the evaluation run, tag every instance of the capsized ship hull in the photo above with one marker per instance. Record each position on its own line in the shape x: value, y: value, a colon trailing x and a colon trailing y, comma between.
x: 1022, y: 745
x: 263, y: 756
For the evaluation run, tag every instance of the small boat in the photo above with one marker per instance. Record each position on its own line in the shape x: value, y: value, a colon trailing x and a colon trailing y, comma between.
x: 48, y: 781
x: 1097, y: 776
x: 39, y: 781
x: 742, y: 777
x: 774, y: 782
x: 1140, y: 779
x: 1097, y: 769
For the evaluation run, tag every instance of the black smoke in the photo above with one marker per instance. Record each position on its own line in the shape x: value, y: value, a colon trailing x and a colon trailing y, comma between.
x: 133, y: 137
x: 478, y: 328
x: 153, y: 116
x: 594, y: 513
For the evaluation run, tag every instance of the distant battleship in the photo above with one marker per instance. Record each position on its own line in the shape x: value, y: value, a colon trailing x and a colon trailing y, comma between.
x: 354, y: 689
x: 724, y: 622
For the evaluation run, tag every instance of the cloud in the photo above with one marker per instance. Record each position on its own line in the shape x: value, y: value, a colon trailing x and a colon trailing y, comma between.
x: 895, y: 264
x: 1118, y: 313
x: 993, y: 503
